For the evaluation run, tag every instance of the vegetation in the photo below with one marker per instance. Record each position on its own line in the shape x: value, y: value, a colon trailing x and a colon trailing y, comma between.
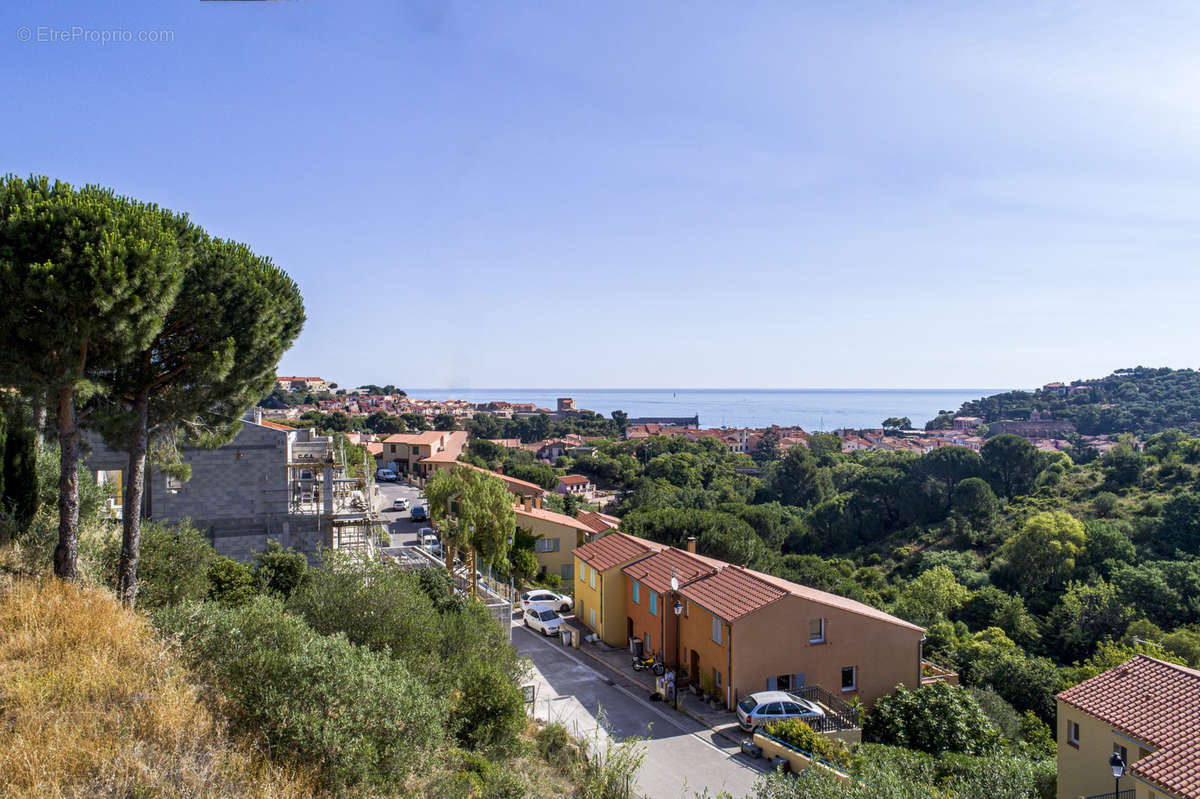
x: 1142, y: 401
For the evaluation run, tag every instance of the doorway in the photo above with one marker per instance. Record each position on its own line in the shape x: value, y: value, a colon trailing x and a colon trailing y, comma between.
x: 628, y: 628
x: 694, y: 668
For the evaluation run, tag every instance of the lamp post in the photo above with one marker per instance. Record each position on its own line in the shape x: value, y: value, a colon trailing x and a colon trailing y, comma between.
x: 1118, y: 768
x: 678, y: 608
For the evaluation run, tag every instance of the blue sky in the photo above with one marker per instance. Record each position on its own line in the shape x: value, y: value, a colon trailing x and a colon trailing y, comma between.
x: 663, y: 194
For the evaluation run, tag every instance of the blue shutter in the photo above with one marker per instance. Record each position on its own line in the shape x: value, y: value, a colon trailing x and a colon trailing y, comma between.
x: 636, y: 592
x: 653, y: 604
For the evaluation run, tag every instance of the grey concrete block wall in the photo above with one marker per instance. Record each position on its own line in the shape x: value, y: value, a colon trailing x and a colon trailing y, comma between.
x: 237, y: 494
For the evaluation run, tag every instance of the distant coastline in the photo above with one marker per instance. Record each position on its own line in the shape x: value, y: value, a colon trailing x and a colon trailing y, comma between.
x: 812, y: 409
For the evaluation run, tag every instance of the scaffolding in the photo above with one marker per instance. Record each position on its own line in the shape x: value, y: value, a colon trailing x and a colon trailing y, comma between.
x: 318, y: 485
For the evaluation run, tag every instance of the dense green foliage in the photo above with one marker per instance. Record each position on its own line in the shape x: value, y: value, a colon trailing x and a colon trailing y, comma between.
x: 1141, y: 400
x: 934, y: 718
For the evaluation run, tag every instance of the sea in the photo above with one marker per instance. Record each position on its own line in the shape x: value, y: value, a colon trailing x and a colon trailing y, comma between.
x: 812, y: 409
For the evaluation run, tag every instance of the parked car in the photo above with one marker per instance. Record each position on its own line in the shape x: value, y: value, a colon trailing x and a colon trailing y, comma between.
x: 559, y: 602
x: 419, y: 514
x: 766, y: 707
x: 429, y: 540
x: 386, y: 475
x: 400, y: 504
x: 543, y: 619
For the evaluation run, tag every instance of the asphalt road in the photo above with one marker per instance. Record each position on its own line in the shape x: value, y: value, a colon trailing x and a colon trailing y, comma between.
x: 400, y: 526
x: 682, y: 756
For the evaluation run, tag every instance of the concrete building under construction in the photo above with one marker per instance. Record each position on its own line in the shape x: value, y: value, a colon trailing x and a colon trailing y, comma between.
x: 271, y: 482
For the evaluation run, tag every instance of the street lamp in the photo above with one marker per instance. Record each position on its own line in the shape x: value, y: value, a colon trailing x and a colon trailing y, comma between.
x: 678, y: 608
x: 1118, y: 768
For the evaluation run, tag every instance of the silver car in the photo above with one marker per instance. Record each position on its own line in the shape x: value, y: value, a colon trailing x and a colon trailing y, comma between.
x: 766, y: 707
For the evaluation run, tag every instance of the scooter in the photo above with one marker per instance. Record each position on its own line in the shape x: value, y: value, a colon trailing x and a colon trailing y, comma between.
x: 641, y: 663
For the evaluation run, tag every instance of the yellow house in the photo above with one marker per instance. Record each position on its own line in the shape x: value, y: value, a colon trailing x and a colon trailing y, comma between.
x: 600, y: 583
x: 558, y: 535
x: 1147, y: 711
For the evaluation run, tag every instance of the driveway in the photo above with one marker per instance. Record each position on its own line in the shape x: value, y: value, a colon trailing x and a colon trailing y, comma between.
x: 682, y: 756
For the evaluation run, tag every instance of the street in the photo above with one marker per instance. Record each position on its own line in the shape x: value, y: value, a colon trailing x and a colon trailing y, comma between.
x: 682, y: 755
x: 399, y: 524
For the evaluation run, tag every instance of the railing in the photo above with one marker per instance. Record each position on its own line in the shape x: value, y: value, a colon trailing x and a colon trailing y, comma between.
x: 932, y: 672
x: 839, y: 715
x: 1128, y: 793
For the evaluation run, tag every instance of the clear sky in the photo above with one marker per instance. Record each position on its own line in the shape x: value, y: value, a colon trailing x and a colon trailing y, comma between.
x: 658, y: 194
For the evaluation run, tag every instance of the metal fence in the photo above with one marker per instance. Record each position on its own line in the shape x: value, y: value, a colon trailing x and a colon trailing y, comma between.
x: 1128, y: 793
x: 839, y: 715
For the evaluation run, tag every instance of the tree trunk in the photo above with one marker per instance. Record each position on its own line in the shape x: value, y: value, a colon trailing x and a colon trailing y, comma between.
x: 131, y: 522
x: 66, y: 554
x: 39, y: 417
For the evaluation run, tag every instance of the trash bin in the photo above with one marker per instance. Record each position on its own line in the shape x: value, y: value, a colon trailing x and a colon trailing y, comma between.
x: 635, y: 646
x: 565, y: 632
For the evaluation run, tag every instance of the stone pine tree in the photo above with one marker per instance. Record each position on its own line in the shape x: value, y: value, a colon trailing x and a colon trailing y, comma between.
x: 86, y: 278
x: 235, y: 315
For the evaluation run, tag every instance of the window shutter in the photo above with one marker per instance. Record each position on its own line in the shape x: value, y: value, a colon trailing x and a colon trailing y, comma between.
x: 772, y: 684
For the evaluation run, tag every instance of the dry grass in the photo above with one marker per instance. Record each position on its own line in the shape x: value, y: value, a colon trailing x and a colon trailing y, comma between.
x: 93, y: 703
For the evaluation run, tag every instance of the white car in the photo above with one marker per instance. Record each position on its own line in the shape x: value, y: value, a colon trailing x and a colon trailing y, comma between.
x: 429, y: 541
x: 543, y: 619
x: 400, y: 504
x: 766, y: 707
x: 559, y: 602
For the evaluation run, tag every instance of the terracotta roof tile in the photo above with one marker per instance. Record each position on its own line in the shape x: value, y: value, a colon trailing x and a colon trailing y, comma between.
x: 1156, y: 702
x: 573, y: 479
x: 599, y: 522
x: 655, y: 572
x: 834, y: 600
x: 276, y: 425
x: 732, y: 592
x: 614, y: 549
x: 550, y: 516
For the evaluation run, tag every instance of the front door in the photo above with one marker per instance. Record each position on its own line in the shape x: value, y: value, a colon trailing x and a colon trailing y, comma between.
x: 694, y: 668
x: 628, y: 628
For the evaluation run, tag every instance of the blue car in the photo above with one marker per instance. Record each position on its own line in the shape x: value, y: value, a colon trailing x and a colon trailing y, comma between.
x: 419, y: 514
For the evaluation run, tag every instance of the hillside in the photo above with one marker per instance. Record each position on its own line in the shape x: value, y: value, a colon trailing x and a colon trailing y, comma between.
x: 1141, y: 400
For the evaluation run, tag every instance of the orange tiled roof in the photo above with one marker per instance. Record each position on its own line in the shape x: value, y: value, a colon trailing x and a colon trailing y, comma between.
x: 573, y: 479
x: 276, y: 425
x: 732, y: 592
x: 614, y: 549
x: 599, y: 522
x: 1156, y: 702
x: 520, y: 487
x: 655, y: 572
x: 834, y: 600
x: 550, y: 516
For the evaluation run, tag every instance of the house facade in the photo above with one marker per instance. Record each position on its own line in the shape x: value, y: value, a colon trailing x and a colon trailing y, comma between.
x: 558, y: 536
x: 405, y: 453
x: 600, y: 585
x: 1146, y: 710
x: 575, y: 484
x: 742, y: 631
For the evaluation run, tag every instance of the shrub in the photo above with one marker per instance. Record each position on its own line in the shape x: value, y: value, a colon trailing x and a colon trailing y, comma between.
x: 934, y: 718
x: 455, y: 647
x: 358, y: 716
x: 172, y: 567
x: 230, y: 582
x: 802, y: 736
x: 279, y: 571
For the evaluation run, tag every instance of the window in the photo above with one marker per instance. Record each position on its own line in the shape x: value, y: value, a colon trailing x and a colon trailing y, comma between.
x: 545, y: 545
x: 653, y: 604
x: 593, y: 578
x: 1073, y: 734
x: 716, y: 631
x: 566, y: 571
x: 717, y: 678
x: 849, y: 678
x: 816, y: 631
x: 592, y: 617
x: 582, y: 570
x: 174, y: 485
x: 1122, y: 751
x: 637, y: 592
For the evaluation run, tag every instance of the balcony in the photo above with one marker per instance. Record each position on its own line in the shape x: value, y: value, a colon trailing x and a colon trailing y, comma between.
x: 931, y: 673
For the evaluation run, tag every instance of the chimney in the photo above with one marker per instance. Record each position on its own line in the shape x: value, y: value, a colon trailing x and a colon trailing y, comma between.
x: 528, y: 502
x: 691, y: 544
